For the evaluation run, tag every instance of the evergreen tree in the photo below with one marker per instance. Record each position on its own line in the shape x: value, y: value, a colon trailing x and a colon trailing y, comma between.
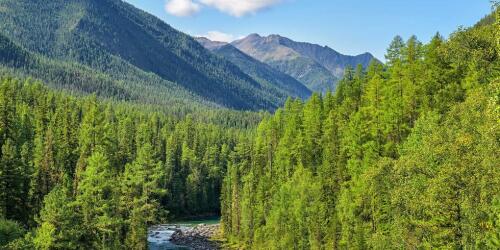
x: 97, y: 197
x: 140, y: 197
x: 401, y: 156
x: 61, y: 226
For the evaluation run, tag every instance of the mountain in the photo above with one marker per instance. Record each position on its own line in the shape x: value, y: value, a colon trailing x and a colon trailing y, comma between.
x: 132, y: 48
x: 316, y: 66
x: 269, y: 77
x: 332, y: 60
x: 77, y: 78
x: 209, y: 44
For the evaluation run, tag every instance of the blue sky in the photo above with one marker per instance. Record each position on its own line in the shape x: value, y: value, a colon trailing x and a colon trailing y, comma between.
x: 348, y: 26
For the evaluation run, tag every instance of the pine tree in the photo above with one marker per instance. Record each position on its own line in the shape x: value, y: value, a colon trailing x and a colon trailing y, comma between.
x: 60, y: 225
x: 91, y: 137
x: 140, y: 197
x: 97, y: 197
x: 312, y: 127
x: 395, y: 51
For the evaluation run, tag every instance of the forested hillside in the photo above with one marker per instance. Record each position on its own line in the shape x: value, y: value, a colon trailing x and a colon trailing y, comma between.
x: 269, y: 78
x: 401, y: 156
x: 129, y: 49
x: 80, y: 79
x: 79, y: 173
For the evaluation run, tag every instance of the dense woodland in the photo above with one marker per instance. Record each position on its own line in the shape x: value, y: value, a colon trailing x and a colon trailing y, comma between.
x: 113, y: 49
x: 402, y: 156
x: 79, y: 173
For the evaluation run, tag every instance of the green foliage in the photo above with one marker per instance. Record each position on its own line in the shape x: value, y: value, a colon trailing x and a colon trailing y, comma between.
x: 87, y: 173
x: 141, y: 191
x: 400, y: 157
x: 60, y: 224
x: 97, y: 199
x: 74, y: 45
x: 9, y: 232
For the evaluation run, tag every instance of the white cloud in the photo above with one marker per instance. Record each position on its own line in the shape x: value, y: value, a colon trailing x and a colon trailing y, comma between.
x: 182, y: 7
x: 240, y: 8
x: 219, y: 36
x: 237, y: 8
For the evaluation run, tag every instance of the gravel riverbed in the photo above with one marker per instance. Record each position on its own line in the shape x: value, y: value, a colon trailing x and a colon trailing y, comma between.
x: 199, y: 237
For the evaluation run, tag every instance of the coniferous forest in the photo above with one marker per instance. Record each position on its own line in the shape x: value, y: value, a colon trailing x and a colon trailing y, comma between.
x: 402, y: 155
x: 86, y: 174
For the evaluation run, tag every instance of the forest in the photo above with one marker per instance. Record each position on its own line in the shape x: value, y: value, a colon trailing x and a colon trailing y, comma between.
x: 75, y: 45
x: 83, y: 173
x: 401, y: 156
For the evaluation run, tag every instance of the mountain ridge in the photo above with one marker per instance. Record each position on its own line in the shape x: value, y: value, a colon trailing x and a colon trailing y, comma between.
x: 209, y: 44
x: 270, y: 78
x: 318, y: 67
x: 115, y: 38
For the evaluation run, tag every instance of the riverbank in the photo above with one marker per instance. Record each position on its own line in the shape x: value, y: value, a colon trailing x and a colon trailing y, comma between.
x: 199, y: 237
x: 196, y: 220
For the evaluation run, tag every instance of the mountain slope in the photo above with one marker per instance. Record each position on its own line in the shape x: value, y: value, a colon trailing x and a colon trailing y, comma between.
x: 288, y: 61
x: 270, y: 78
x: 264, y: 73
x: 16, y: 60
x: 117, y: 39
x: 325, y: 56
x: 209, y: 44
x: 77, y: 78
x: 317, y: 67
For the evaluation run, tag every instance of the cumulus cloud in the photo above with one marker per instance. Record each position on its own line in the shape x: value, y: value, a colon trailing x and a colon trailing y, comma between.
x: 237, y: 8
x: 240, y: 8
x: 182, y: 7
x: 219, y: 36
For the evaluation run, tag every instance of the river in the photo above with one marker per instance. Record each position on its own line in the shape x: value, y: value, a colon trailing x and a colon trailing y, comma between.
x: 159, y: 235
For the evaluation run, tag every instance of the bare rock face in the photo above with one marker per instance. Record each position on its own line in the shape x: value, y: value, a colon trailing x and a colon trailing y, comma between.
x: 198, y: 237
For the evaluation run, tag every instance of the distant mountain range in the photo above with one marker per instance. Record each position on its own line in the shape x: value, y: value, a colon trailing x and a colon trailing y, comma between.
x: 260, y: 71
x: 151, y: 60
x: 113, y: 49
x: 318, y: 67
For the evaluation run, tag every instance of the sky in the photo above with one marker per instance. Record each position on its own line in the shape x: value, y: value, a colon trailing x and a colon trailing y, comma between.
x: 349, y: 26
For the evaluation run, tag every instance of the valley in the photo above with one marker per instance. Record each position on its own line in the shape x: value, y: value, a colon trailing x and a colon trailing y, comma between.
x: 118, y: 131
